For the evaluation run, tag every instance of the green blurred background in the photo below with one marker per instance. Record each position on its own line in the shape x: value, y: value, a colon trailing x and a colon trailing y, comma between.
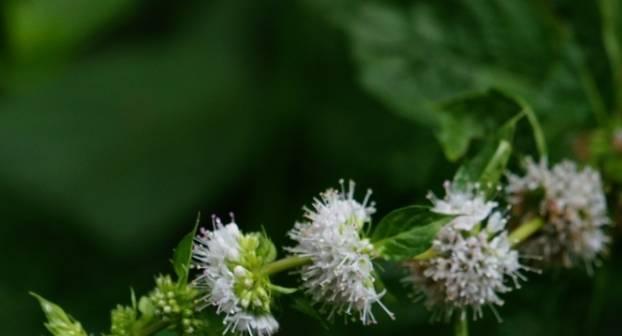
x: 121, y: 119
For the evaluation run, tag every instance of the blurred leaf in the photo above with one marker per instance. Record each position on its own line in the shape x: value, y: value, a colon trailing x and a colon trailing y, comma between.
x: 42, y: 30
x: 407, y: 232
x: 611, y: 14
x: 416, y: 55
x: 128, y: 141
x: 167, y: 333
x: 182, y: 257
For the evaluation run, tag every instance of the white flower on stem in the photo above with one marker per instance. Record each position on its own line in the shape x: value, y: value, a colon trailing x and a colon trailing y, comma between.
x: 473, y: 262
x: 340, y: 276
x: 468, y: 204
x: 227, y: 261
x: 572, y: 203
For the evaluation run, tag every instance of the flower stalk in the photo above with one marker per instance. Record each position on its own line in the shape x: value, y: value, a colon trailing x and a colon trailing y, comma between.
x: 525, y: 230
x: 427, y: 254
x: 285, y: 264
x: 461, y: 326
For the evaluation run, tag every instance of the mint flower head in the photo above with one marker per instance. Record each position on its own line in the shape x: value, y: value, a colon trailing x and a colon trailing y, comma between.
x: 572, y: 204
x: 340, y: 276
x: 472, y: 262
x: 468, y: 204
x: 230, y: 278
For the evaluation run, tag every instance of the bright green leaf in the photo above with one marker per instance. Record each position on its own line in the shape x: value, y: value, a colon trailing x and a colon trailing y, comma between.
x: 407, y: 232
x: 59, y: 323
x: 182, y: 257
x: 266, y: 249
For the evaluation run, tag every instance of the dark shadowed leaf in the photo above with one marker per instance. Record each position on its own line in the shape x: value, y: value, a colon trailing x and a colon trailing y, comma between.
x: 473, y: 117
x: 489, y: 165
x: 415, y: 56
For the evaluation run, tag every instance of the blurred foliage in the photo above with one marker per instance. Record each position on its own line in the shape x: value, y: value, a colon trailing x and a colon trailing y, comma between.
x: 119, y: 120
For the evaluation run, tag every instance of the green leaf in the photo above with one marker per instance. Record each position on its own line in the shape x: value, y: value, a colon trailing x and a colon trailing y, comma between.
x: 39, y: 31
x: 122, y: 156
x: 415, y: 55
x: 407, y: 232
x: 487, y: 167
x: 266, y: 249
x: 59, y: 323
x: 182, y: 257
x: 303, y: 305
x: 473, y: 117
x: 612, y: 38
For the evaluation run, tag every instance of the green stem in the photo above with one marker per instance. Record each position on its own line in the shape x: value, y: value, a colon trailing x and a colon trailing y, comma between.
x: 536, y: 128
x: 285, y: 264
x: 427, y: 254
x: 538, y: 134
x: 525, y: 230
x: 461, y: 325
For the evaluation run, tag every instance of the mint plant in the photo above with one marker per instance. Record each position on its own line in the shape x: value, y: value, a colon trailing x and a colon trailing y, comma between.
x: 509, y: 212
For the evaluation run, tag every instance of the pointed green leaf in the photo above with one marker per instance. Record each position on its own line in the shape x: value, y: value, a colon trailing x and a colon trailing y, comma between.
x: 59, y: 323
x: 266, y: 249
x: 182, y: 257
x: 407, y: 232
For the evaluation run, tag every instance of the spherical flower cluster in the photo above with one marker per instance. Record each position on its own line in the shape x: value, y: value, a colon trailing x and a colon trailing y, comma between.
x: 229, y: 263
x: 340, y: 276
x: 468, y: 204
x: 473, y: 262
x: 572, y: 203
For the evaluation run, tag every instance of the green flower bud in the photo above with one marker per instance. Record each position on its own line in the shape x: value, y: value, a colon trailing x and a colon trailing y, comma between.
x: 123, y: 319
x: 59, y: 323
x: 177, y: 304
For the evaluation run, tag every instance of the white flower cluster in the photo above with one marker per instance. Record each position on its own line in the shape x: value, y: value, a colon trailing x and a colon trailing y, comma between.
x: 340, y: 276
x: 573, y: 205
x: 221, y: 255
x: 472, y: 264
x: 468, y: 205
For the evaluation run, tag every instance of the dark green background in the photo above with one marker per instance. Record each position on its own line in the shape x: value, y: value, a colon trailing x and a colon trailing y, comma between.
x: 119, y: 120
